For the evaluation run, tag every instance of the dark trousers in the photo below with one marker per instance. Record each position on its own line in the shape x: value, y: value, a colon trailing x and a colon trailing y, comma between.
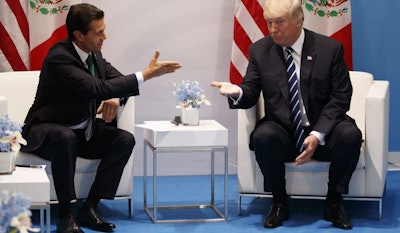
x: 62, y: 146
x: 273, y: 146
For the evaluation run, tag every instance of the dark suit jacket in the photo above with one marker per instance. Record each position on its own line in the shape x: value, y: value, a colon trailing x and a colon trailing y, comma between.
x: 65, y: 89
x: 325, y: 83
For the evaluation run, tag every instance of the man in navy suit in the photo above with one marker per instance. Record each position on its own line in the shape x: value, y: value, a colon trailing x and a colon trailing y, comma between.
x: 325, y: 92
x: 68, y: 94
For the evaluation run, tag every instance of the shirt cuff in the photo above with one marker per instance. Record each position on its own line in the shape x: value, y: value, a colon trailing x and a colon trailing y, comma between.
x: 139, y: 77
x: 320, y: 136
x: 236, y: 101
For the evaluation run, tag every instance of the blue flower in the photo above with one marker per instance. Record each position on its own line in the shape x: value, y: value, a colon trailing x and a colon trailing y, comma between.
x: 189, y: 94
x: 14, y: 207
x: 10, y: 134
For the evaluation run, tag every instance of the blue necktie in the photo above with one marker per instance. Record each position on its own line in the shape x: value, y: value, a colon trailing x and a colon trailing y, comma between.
x: 294, y: 101
x: 92, y: 103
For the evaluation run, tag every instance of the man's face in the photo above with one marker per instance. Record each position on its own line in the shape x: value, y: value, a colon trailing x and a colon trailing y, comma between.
x: 93, y: 40
x: 284, y: 30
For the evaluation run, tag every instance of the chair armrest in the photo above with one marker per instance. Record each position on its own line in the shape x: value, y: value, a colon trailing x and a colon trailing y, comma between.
x: 376, y: 137
x: 3, y: 105
x: 246, y: 165
x: 126, y: 121
x: 126, y: 116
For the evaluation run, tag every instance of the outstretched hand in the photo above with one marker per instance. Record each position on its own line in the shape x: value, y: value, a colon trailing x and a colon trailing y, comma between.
x: 158, y: 68
x: 227, y: 89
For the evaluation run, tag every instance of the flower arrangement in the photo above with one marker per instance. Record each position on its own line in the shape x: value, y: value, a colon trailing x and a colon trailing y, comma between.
x: 10, y: 135
x: 15, y: 213
x: 189, y: 94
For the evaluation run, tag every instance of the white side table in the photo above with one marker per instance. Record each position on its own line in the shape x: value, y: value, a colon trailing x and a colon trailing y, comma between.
x: 165, y: 137
x: 33, y: 183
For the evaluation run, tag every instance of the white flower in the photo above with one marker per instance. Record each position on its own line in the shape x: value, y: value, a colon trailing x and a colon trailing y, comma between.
x: 23, y: 223
x: 10, y: 135
x: 189, y: 94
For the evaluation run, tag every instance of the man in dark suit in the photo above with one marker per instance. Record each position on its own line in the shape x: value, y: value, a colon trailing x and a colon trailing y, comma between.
x: 70, y: 90
x: 323, y: 100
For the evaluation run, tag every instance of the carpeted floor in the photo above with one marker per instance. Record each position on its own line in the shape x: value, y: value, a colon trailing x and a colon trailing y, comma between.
x: 306, y: 215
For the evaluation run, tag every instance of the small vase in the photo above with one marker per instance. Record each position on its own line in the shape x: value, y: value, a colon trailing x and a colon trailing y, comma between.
x: 7, y: 161
x: 190, y: 116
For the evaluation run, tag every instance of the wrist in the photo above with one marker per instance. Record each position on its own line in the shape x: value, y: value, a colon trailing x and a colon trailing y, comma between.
x: 147, y: 74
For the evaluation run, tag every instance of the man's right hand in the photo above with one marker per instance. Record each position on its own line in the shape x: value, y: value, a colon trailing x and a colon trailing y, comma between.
x: 227, y: 89
x: 158, y: 68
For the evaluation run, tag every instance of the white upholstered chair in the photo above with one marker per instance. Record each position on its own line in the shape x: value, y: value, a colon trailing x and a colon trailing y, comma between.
x: 370, y: 108
x: 17, y: 92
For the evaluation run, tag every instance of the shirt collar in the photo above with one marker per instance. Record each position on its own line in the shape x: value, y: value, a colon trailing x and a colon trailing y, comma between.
x: 297, y: 46
x: 82, y: 54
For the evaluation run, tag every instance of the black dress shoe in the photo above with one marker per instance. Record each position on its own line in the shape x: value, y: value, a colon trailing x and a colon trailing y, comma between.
x: 276, y: 215
x: 68, y: 225
x: 89, y: 217
x: 335, y: 213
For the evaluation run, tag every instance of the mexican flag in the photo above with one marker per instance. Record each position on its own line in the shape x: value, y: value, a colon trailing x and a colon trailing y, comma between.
x: 331, y: 18
x: 46, y: 26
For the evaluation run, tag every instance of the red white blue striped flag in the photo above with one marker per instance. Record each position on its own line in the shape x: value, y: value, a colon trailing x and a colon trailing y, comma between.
x: 249, y: 26
x: 14, y: 34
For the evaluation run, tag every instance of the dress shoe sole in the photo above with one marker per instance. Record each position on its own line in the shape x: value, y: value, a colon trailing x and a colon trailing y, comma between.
x: 96, y: 228
x: 69, y: 225
x: 274, y: 226
x: 329, y: 219
x: 59, y: 231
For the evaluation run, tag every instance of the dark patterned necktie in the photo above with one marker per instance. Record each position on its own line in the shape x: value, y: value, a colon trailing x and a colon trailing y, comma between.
x: 92, y: 103
x: 294, y: 101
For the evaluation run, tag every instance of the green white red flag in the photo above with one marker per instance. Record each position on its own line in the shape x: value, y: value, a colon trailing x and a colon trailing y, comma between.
x: 331, y: 18
x: 46, y: 27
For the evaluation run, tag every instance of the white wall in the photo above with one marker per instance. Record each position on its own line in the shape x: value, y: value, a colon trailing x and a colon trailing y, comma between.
x: 196, y: 33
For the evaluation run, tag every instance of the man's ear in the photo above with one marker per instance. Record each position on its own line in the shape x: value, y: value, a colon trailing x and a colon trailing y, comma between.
x: 78, y: 35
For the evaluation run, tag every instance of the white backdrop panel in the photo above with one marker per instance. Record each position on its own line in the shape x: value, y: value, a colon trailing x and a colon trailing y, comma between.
x: 196, y: 33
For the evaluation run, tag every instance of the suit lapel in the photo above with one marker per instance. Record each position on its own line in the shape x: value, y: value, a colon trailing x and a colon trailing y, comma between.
x: 71, y: 49
x: 307, y: 60
x: 99, y: 65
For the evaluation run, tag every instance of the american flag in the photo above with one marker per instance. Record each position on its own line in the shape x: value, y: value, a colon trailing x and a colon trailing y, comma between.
x: 14, y: 34
x: 249, y: 26
x: 331, y: 18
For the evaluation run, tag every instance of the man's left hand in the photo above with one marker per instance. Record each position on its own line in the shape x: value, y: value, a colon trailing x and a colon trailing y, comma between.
x: 310, y: 145
x: 109, y: 109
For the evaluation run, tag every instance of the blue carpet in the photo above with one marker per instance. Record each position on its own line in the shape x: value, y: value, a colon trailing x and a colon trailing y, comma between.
x: 306, y: 215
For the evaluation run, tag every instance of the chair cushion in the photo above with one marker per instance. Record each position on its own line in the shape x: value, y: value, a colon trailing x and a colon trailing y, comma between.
x: 318, y: 166
x: 82, y: 165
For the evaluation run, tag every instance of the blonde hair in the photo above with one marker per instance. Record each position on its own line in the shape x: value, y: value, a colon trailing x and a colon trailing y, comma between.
x: 280, y: 8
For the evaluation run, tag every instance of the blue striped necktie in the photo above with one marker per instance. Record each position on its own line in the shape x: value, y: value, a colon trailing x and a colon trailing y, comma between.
x: 294, y: 100
x: 92, y: 103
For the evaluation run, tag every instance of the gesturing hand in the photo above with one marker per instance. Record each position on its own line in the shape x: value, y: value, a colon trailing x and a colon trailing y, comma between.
x: 158, y: 68
x: 227, y: 89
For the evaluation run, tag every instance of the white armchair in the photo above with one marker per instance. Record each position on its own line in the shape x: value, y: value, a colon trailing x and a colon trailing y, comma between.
x: 370, y: 108
x: 17, y: 92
